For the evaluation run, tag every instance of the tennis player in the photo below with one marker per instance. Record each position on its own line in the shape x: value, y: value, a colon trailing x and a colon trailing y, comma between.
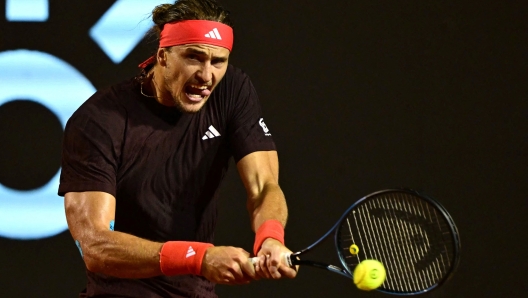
x: 143, y: 160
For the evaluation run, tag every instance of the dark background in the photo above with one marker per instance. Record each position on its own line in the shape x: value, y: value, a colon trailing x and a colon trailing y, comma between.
x: 359, y: 96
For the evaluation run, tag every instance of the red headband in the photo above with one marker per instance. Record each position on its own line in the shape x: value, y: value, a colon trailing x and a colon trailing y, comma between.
x: 192, y: 32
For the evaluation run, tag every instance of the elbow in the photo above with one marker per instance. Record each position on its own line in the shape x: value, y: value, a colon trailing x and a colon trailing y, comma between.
x: 91, y: 266
x: 94, y: 257
x: 94, y: 262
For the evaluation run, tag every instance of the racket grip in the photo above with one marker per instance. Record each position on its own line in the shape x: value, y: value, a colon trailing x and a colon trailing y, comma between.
x: 285, y: 259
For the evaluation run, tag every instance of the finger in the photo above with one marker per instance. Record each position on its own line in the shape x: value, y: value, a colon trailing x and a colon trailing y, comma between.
x: 240, y: 279
x: 226, y: 279
x: 263, y: 268
x: 273, y: 263
x: 238, y: 273
x: 255, y: 261
x: 248, y: 268
x: 243, y: 269
x: 260, y: 267
x: 288, y: 272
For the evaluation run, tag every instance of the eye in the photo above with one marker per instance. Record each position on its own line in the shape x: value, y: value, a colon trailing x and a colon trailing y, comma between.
x: 193, y: 57
x: 218, y: 62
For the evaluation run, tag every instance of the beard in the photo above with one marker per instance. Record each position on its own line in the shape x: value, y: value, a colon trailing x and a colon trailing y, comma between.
x: 180, y: 100
x: 188, y: 108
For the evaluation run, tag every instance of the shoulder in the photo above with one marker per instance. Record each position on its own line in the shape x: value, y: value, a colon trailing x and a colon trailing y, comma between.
x: 235, y: 72
x: 112, y: 99
x: 235, y: 78
x: 106, y: 105
x: 235, y: 85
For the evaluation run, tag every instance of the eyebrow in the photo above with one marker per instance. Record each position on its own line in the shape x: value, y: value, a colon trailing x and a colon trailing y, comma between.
x: 203, y: 53
x: 195, y: 51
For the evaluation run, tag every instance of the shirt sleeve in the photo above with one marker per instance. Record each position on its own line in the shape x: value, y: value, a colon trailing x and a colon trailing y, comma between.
x: 90, y: 151
x: 248, y: 131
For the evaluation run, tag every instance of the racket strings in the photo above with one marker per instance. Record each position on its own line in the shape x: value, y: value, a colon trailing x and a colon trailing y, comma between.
x: 406, y: 233
x: 396, y: 231
x: 400, y: 231
x: 416, y: 252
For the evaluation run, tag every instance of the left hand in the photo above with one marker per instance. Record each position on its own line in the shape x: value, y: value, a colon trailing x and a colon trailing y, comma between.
x: 271, y: 263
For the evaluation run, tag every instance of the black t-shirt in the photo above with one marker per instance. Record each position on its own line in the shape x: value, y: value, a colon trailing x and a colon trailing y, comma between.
x: 163, y: 167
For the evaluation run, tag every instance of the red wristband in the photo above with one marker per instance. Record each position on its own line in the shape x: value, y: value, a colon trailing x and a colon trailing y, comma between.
x: 182, y: 257
x: 269, y: 229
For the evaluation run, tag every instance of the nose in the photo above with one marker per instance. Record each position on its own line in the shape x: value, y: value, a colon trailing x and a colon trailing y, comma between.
x: 205, y: 74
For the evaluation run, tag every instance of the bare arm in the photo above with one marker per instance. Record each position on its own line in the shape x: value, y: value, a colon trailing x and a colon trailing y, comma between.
x: 126, y: 256
x: 259, y: 172
x: 104, y: 251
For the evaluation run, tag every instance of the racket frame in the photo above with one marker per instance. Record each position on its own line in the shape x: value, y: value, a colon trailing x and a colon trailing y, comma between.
x: 294, y: 259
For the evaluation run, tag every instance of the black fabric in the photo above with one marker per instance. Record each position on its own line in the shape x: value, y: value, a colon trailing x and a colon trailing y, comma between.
x: 162, y: 167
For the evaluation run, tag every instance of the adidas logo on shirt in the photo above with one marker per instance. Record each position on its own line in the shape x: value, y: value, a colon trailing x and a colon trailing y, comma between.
x: 190, y: 252
x: 214, y: 34
x: 211, y: 133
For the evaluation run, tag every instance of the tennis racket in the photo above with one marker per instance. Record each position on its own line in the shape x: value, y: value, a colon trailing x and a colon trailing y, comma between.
x: 411, y: 234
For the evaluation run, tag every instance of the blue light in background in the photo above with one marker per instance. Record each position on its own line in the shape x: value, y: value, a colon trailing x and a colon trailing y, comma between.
x: 123, y: 26
x: 50, y: 81
x: 53, y: 83
x: 27, y: 10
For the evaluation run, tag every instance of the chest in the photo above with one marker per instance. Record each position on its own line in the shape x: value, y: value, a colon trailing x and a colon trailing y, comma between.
x: 178, y: 147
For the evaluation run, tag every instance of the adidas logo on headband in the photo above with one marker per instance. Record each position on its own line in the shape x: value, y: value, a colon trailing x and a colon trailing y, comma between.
x: 214, y: 34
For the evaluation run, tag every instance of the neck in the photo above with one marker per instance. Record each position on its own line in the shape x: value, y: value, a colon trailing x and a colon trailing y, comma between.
x: 152, y: 87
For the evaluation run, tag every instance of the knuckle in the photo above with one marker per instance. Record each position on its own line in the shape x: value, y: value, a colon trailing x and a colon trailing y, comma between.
x: 226, y: 277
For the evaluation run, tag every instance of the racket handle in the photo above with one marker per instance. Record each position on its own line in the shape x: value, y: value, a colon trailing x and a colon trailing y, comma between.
x: 285, y: 259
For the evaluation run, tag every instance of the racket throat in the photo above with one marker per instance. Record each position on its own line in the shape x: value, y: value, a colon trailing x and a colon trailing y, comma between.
x: 295, y: 260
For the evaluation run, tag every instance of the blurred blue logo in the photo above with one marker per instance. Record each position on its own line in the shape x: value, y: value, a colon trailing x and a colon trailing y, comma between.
x: 57, y: 85
x: 27, y: 10
x: 123, y: 26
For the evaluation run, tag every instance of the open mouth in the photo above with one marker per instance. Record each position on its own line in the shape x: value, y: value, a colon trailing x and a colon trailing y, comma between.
x: 197, y: 92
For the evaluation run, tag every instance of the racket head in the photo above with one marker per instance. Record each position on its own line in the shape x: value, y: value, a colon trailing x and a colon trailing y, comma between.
x: 410, y: 233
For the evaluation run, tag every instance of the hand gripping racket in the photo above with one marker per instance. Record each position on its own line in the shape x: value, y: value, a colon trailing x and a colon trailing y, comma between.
x: 411, y: 234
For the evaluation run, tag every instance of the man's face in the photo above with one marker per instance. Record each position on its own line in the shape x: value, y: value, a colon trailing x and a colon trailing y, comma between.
x: 189, y: 74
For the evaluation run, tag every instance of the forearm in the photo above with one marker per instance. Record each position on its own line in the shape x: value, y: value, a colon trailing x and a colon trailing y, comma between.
x: 269, y: 235
x: 105, y: 251
x: 121, y: 255
x: 268, y: 211
x: 270, y: 203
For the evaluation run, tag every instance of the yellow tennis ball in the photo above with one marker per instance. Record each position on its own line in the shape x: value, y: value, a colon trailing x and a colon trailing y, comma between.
x: 369, y: 275
x: 354, y: 249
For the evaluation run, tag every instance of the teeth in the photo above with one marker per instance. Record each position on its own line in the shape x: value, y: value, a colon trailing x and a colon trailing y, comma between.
x: 199, y: 87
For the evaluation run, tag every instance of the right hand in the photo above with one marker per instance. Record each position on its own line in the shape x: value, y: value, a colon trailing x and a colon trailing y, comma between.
x: 271, y: 262
x: 228, y: 265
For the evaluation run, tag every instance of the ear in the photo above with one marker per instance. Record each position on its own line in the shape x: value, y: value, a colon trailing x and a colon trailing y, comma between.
x: 161, y: 56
